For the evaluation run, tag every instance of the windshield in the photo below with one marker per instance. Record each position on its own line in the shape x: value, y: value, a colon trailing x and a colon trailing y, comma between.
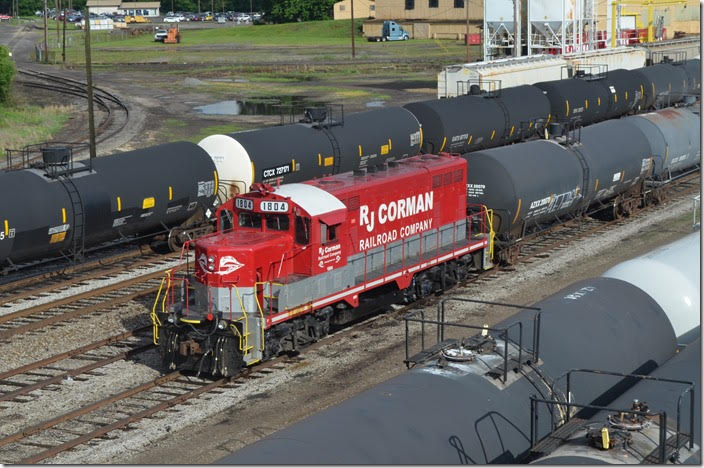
x: 277, y: 222
x: 250, y: 220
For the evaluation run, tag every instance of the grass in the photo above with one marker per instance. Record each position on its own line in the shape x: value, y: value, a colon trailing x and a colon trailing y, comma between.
x: 175, y: 129
x: 26, y: 125
x: 306, y: 42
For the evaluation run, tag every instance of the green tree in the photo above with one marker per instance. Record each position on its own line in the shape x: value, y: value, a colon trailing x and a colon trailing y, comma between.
x: 7, y: 72
x: 285, y: 11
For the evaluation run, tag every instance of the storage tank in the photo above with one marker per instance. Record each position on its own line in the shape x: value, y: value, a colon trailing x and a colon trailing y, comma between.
x: 618, y: 157
x: 469, y: 123
x: 674, y: 137
x: 663, y: 395
x: 671, y: 276
x: 445, y: 412
x: 668, y: 84
x: 624, y: 87
x: 693, y: 70
x: 136, y: 192
x: 524, y: 184
x: 294, y: 153
x: 582, y: 98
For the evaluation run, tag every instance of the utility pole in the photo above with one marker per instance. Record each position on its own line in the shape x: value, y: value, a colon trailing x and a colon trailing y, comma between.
x: 466, y: 34
x: 89, y: 83
x: 63, y: 47
x: 352, y: 20
x: 250, y: 8
x: 56, y: 9
x: 516, y: 28
x: 46, y: 36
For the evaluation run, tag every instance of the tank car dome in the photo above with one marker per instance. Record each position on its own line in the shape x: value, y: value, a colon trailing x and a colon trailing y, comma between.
x: 671, y: 276
x: 232, y: 162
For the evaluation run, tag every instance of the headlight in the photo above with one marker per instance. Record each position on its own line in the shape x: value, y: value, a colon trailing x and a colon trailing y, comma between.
x: 222, y: 325
x: 170, y: 319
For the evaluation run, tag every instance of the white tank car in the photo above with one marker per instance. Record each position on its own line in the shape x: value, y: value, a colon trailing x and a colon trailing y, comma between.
x: 671, y: 276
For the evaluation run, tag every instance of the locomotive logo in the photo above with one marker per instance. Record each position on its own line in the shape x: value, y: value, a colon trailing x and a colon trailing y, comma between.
x: 226, y: 265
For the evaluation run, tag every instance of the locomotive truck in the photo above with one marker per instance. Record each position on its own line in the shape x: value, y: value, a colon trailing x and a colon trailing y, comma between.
x: 288, y: 263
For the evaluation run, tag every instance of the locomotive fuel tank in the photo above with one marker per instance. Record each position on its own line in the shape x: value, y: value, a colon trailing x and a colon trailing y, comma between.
x: 294, y: 153
x: 446, y: 413
x: 670, y: 274
x: 673, y: 135
x: 124, y: 194
x: 528, y: 183
x: 468, y: 123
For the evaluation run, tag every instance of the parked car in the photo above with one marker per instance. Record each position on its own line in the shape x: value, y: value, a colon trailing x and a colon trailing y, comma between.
x: 160, y: 34
x: 172, y: 19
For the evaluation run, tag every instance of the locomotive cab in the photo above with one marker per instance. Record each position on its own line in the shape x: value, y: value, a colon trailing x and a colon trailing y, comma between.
x: 241, y: 279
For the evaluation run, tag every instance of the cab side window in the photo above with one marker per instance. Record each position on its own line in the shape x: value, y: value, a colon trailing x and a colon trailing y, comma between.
x: 328, y: 233
x: 302, y: 230
x: 225, y: 220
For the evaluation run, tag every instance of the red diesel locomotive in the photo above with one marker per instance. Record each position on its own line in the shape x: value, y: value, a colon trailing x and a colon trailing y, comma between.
x: 287, y: 263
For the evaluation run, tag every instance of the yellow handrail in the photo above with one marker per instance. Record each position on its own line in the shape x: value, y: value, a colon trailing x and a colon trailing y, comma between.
x: 490, y: 221
x: 156, y: 323
x: 237, y: 334
x: 246, y: 348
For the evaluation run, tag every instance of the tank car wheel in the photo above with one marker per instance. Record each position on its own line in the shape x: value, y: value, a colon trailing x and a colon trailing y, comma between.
x: 174, y: 242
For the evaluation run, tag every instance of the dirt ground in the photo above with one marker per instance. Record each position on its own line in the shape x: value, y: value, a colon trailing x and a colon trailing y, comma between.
x: 162, y: 107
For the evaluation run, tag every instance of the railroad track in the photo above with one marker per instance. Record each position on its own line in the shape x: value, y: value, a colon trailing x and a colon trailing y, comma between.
x: 118, y: 411
x: 13, y: 293
x: 99, y: 300
x: 116, y: 112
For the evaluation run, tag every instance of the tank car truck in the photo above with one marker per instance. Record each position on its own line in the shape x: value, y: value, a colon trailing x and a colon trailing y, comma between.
x: 289, y: 263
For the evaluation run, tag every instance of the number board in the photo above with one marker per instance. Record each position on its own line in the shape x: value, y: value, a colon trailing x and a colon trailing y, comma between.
x: 244, y: 204
x: 268, y: 206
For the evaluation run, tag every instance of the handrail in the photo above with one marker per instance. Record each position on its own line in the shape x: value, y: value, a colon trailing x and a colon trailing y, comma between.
x: 662, y: 415
x: 246, y: 321
x: 689, y: 388
x: 156, y: 323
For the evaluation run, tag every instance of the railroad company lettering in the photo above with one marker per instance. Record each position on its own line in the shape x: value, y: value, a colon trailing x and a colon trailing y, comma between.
x: 395, y: 210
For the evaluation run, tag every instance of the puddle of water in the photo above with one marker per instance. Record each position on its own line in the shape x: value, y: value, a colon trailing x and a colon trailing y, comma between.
x: 226, y: 80
x: 263, y: 106
x: 376, y: 103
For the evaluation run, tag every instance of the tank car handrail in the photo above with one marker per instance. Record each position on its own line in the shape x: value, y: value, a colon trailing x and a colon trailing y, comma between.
x: 689, y: 388
x: 441, y: 323
x: 662, y: 416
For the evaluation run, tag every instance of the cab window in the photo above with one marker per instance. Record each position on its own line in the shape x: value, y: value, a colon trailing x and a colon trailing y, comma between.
x: 328, y: 233
x: 302, y: 230
x: 277, y: 222
x: 250, y: 220
x: 225, y: 220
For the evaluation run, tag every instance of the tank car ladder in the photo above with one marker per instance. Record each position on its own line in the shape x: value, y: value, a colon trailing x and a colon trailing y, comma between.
x: 78, y: 217
x: 336, y: 152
